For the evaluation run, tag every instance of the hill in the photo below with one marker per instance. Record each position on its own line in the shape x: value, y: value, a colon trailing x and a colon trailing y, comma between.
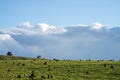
x: 5, y: 57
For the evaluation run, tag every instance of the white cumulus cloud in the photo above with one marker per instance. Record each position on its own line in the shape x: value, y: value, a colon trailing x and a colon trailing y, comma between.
x: 45, y: 27
x: 74, y: 42
x: 25, y: 25
x: 96, y: 26
x: 5, y: 37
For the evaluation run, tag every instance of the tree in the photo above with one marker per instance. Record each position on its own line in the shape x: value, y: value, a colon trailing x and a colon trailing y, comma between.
x: 38, y: 56
x: 9, y: 53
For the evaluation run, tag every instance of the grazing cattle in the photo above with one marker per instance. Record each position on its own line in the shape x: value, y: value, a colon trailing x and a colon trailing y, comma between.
x: 8, y: 70
x: 23, y: 64
x: 45, y: 63
x: 50, y: 76
x: 32, y: 75
x: 18, y: 76
x: 43, y: 77
x: 87, y: 72
x: 111, y: 66
x: 105, y: 65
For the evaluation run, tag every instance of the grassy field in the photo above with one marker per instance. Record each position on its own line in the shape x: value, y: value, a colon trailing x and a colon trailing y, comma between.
x: 42, y: 69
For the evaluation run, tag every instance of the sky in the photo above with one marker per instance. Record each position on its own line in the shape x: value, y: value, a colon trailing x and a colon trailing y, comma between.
x: 74, y: 42
x: 62, y: 29
x: 60, y: 13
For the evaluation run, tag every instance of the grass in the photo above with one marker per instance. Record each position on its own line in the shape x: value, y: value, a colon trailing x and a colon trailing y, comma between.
x: 20, y: 68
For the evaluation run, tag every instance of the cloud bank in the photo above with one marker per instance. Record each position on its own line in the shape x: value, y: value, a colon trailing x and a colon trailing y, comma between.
x: 74, y: 42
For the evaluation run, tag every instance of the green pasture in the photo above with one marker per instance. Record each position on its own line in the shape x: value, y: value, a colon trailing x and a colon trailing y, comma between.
x: 42, y: 69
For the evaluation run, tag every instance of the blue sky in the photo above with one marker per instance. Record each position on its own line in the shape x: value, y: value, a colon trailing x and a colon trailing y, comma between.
x: 59, y: 12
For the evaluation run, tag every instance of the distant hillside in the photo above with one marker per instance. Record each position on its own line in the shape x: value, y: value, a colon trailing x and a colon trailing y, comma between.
x: 5, y: 57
